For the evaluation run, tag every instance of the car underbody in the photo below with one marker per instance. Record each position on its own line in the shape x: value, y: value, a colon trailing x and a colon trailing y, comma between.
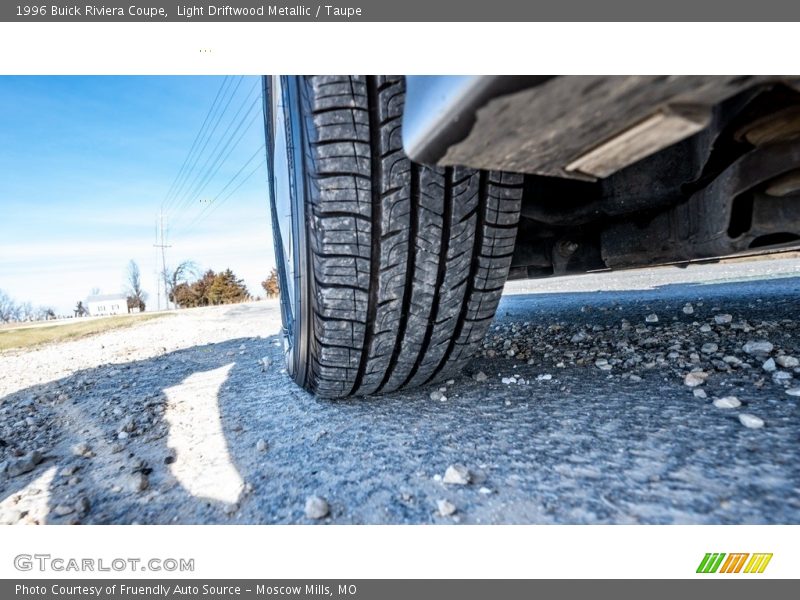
x: 401, y: 205
x: 624, y: 171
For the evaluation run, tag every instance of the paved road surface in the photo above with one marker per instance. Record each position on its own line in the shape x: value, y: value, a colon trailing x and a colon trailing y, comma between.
x: 584, y: 416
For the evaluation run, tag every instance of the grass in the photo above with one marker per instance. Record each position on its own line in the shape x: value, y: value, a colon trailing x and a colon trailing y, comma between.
x: 29, y: 335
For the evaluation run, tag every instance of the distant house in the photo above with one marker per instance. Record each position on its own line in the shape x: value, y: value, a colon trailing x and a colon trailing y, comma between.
x: 107, y: 304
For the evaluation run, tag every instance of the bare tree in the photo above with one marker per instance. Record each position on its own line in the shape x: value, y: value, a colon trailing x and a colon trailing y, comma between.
x: 136, y: 295
x: 26, y: 312
x: 185, y: 271
x: 45, y: 313
x: 9, y: 310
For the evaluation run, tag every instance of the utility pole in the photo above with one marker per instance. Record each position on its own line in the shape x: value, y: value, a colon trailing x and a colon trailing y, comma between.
x: 155, y: 271
x: 163, y: 247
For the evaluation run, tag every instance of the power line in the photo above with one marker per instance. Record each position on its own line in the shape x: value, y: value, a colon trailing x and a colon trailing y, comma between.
x: 194, y: 142
x: 208, y: 138
x: 200, y: 168
x: 203, y: 136
x: 213, y: 205
x: 218, y: 156
x: 234, y: 190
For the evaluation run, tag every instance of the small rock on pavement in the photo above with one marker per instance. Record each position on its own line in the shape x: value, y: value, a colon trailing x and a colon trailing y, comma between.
x: 436, y: 395
x: 700, y: 393
x: 793, y: 391
x: 261, y: 445
x: 24, y: 464
x: 317, y: 507
x: 751, y: 421
x: 727, y: 402
x: 651, y: 318
x: 83, y: 505
x: 695, y: 378
x: 63, y: 509
x: 137, y: 482
x: 457, y: 475
x: 787, y: 362
x: 769, y: 365
x: 758, y: 347
x: 445, y: 508
x: 480, y: 376
x: 723, y: 319
x: 709, y: 348
x: 688, y: 309
x: 579, y: 337
x: 82, y: 449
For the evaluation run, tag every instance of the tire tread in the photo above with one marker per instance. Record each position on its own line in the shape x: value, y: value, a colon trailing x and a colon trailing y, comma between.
x: 408, y: 261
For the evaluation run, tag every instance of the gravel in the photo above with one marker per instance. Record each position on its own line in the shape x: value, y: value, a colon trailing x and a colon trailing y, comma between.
x: 137, y: 482
x: 758, y: 348
x: 316, y: 507
x: 751, y: 421
x: 445, y: 508
x: 82, y: 449
x: 457, y: 475
x: 63, y: 509
x: 727, y: 402
x: 23, y: 464
x: 554, y: 437
x: 695, y: 378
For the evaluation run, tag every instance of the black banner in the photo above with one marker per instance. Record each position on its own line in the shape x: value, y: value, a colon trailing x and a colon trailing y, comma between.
x: 733, y: 588
x: 405, y: 10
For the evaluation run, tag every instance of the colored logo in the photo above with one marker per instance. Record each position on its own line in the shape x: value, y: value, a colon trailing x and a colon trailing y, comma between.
x: 741, y: 562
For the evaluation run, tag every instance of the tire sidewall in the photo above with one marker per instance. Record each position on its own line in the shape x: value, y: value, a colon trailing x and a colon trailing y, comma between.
x: 295, y: 310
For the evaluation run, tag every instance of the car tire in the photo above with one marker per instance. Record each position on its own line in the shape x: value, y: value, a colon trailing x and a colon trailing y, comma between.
x: 390, y: 271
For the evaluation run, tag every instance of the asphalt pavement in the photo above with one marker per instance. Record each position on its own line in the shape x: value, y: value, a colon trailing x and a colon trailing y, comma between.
x: 661, y: 396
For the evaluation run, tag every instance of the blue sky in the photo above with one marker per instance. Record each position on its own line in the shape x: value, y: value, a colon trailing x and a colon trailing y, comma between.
x: 86, y: 164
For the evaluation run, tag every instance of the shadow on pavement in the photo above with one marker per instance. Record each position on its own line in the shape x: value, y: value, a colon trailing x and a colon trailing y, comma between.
x: 211, y: 434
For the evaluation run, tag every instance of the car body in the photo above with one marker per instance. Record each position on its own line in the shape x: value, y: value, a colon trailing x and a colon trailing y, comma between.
x: 624, y: 171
